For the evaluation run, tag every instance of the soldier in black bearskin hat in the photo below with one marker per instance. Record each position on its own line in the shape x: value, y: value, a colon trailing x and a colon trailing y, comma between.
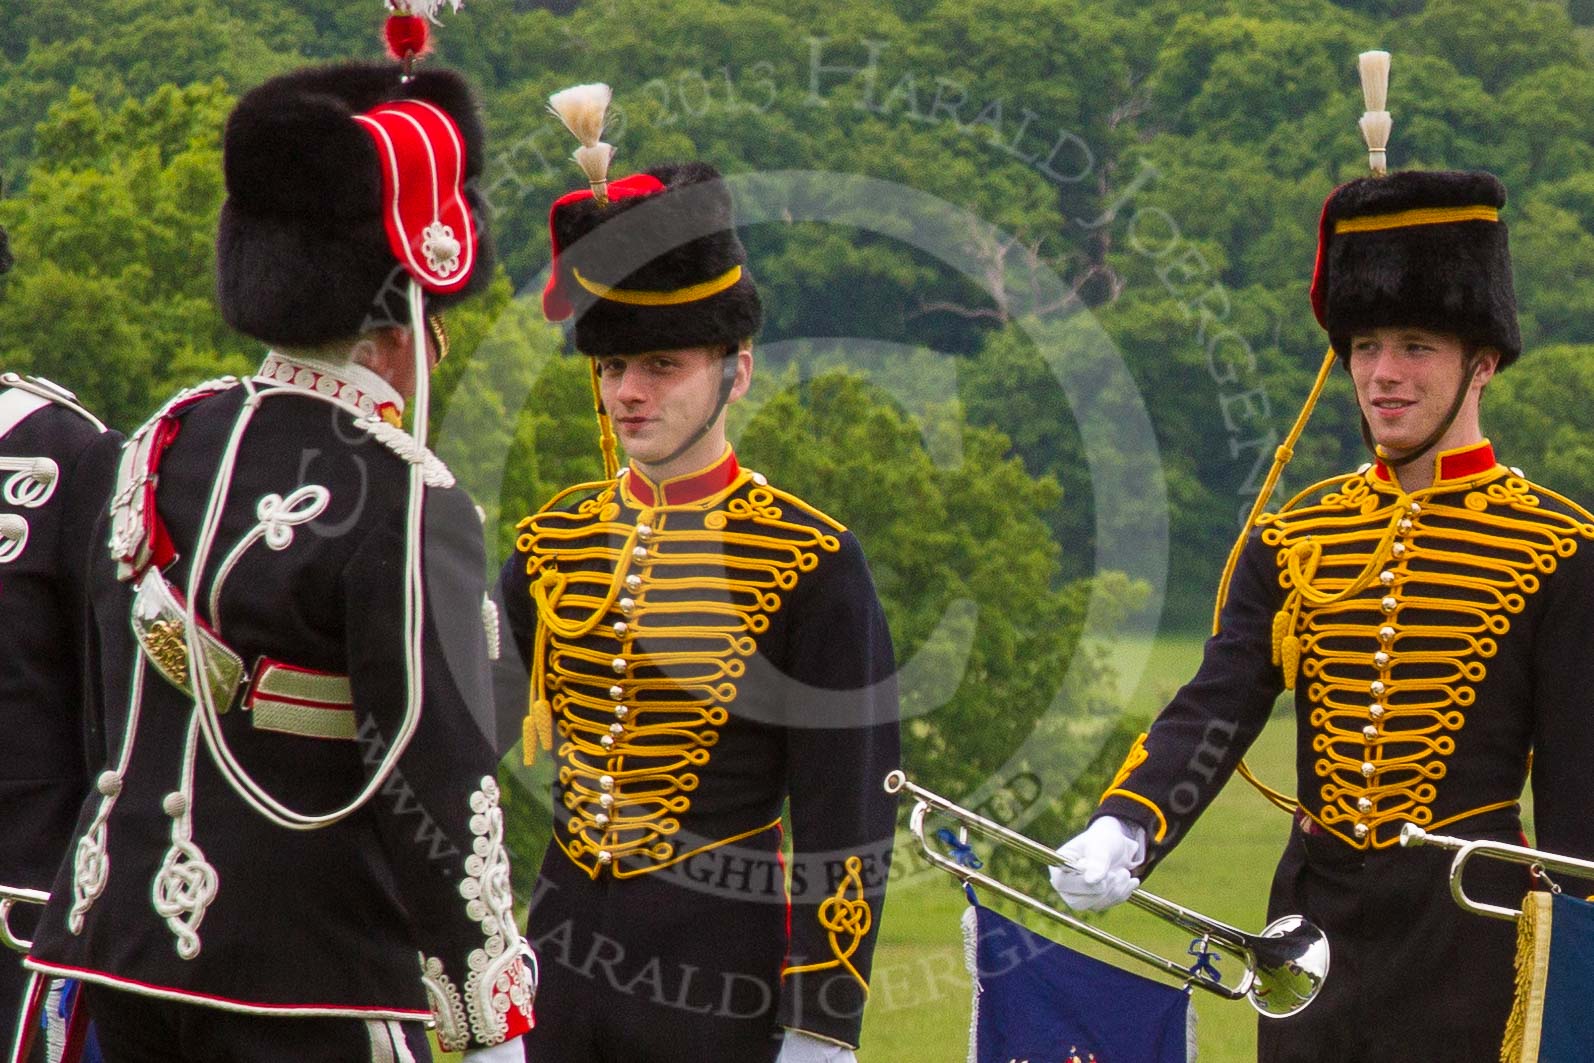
x: 1433, y: 613
x: 56, y: 465
x: 702, y: 647
x: 295, y: 851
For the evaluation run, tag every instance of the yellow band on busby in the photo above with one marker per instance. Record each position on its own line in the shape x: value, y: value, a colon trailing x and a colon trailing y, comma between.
x: 1419, y: 216
x: 640, y: 297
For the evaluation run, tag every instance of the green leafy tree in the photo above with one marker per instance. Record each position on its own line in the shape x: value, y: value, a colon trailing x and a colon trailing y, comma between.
x: 113, y: 291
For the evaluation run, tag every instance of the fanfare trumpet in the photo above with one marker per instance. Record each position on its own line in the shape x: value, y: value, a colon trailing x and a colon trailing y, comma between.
x: 1412, y: 836
x: 32, y: 998
x: 10, y: 897
x: 1285, y: 964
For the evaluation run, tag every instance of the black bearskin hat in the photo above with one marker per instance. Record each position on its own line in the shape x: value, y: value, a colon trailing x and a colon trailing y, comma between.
x: 658, y: 267
x: 303, y: 255
x: 1420, y: 249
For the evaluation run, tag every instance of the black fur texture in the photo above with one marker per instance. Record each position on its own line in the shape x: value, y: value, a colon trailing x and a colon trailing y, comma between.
x: 6, y: 261
x: 1451, y: 277
x: 673, y: 239
x: 302, y: 257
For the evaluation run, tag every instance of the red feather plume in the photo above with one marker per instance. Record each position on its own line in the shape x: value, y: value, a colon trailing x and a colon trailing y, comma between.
x: 406, y: 36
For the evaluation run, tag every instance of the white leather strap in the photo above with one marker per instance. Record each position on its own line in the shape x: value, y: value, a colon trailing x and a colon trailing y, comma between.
x: 17, y: 406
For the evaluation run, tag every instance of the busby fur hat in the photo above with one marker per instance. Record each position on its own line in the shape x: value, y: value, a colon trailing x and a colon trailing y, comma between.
x: 656, y: 267
x: 303, y: 253
x: 1415, y: 248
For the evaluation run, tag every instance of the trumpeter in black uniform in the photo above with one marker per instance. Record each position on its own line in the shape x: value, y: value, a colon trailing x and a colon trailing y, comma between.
x: 703, y: 646
x: 1433, y: 613
x: 295, y: 849
x: 56, y: 465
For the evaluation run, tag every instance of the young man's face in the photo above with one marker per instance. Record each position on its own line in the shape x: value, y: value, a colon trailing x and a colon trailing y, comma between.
x: 1406, y: 381
x: 660, y: 399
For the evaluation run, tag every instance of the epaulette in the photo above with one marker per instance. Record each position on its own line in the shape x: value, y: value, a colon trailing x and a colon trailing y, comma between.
x: 592, y: 485
x: 138, y: 538
x: 760, y: 480
x: 1320, y: 488
x: 433, y: 472
x: 52, y: 392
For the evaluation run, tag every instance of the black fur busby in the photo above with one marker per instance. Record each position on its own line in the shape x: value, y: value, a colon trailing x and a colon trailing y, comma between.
x: 651, y: 269
x: 302, y: 257
x: 1447, y: 275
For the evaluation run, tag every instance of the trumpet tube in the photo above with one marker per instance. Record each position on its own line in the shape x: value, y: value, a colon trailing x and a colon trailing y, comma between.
x: 10, y: 897
x: 1413, y: 836
x: 1285, y: 965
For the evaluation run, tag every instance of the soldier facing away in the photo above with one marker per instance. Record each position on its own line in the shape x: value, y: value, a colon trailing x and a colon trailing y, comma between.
x: 295, y: 851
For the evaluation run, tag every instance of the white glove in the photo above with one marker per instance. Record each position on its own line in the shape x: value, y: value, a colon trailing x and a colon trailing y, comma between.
x: 511, y: 1051
x: 799, y: 1047
x: 1103, y: 858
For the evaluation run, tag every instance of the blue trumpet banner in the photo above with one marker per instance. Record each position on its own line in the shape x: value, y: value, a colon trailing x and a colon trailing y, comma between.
x: 1038, y: 1002
x: 1554, y: 1023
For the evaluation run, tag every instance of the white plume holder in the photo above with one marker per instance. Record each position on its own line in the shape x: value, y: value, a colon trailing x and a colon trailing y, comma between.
x: 1376, y: 123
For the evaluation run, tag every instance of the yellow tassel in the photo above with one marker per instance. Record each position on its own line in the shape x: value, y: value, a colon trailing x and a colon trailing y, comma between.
x: 1291, y: 654
x: 1281, y: 627
x: 536, y: 731
x: 1522, y: 1030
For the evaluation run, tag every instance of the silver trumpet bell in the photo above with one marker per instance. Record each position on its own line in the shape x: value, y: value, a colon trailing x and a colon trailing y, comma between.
x: 1285, y: 965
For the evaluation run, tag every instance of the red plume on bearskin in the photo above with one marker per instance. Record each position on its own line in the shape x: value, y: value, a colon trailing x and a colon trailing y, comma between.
x: 406, y: 32
x: 406, y: 36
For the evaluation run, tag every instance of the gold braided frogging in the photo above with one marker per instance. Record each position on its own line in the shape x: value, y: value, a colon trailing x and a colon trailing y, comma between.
x: 1350, y: 555
x: 655, y: 749
x: 843, y: 916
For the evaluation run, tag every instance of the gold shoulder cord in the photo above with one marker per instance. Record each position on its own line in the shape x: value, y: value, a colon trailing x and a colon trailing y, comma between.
x: 1281, y: 458
x: 593, y: 515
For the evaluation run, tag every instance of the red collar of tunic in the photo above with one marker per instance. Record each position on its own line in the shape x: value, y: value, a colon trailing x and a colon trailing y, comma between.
x: 1459, y: 463
x: 688, y: 488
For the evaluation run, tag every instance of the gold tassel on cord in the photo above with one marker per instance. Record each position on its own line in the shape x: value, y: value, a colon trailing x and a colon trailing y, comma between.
x: 1291, y: 654
x: 1281, y: 628
x: 536, y: 731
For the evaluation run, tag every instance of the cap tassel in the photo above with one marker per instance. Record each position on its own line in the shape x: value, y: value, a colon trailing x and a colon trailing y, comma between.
x: 1376, y: 123
x: 584, y: 110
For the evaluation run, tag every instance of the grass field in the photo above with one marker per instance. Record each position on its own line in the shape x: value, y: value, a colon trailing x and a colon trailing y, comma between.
x: 920, y: 1004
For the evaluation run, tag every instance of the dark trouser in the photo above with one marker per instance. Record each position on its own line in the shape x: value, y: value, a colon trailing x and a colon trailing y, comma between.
x: 653, y: 970
x: 140, y: 1029
x: 1411, y: 976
